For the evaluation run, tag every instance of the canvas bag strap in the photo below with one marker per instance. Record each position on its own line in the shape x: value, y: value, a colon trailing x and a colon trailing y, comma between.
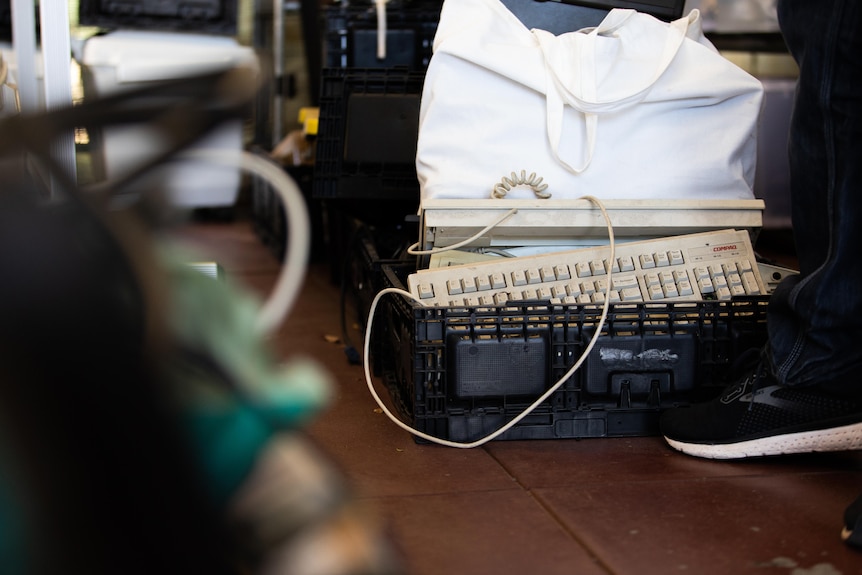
x: 571, y: 68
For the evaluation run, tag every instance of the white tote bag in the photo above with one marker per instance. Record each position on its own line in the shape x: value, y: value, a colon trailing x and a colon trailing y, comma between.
x: 636, y: 108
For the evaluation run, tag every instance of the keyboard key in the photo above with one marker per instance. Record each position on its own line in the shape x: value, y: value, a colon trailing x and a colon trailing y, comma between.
x: 547, y: 273
x: 670, y: 290
x: 705, y: 286
x: 684, y: 287
x: 426, y: 291
x: 498, y: 281
x: 483, y: 283
x: 750, y: 283
x: 519, y: 278
x: 533, y: 277
x: 655, y: 292
x: 631, y: 294
x: 562, y: 272
x: 582, y: 269
x: 627, y: 264
x: 676, y: 258
x: 597, y: 267
x: 453, y: 286
x: 700, y: 272
x: 468, y: 284
x: 624, y: 281
x: 662, y: 259
x: 722, y: 293
x: 651, y: 279
x: 647, y: 261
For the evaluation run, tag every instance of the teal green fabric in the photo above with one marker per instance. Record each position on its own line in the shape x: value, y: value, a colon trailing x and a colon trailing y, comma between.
x: 228, y: 427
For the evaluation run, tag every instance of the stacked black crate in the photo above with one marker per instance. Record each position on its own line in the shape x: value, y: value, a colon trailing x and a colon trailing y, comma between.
x: 371, y: 86
x: 364, y: 169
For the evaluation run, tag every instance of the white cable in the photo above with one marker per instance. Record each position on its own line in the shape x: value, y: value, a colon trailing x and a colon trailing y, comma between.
x: 414, y: 252
x: 381, y: 28
x: 529, y: 409
x: 297, y: 238
x: 499, y: 192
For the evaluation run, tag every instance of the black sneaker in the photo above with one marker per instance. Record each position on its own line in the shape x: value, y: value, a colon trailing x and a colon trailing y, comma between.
x: 757, y: 417
x: 852, y: 532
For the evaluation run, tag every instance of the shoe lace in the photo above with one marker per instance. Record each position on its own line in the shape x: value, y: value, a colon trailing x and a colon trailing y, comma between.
x: 758, y: 376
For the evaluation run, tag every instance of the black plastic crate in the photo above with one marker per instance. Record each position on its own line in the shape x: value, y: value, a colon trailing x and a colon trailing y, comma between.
x: 5, y: 21
x: 351, y: 30
x: 268, y: 217
x: 372, y: 249
x: 207, y: 16
x: 367, y: 133
x: 462, y: 373
x: 351, y: 34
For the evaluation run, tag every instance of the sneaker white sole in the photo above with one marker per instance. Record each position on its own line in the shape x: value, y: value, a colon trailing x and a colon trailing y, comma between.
x: 845, y: 438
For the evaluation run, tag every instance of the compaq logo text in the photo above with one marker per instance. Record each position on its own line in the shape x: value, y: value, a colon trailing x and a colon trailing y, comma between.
x: 729, y: 247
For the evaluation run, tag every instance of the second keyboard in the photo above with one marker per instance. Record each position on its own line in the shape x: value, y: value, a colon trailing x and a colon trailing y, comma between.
x: 711, y: 265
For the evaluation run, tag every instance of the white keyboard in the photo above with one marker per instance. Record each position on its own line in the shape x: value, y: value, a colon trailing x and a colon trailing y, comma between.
x: 711, y: 265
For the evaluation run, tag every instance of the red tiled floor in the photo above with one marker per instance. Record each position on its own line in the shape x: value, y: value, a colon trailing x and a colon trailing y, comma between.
x: 550, y: 464
x: 759, y: 523
x: 499, y: 532
x: 626, y: 505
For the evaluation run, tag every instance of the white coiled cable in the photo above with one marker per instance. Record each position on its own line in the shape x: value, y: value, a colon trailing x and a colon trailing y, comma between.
x: 533, y: 181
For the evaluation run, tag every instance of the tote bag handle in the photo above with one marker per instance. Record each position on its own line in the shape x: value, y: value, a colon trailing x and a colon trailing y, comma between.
x: 570, y: 64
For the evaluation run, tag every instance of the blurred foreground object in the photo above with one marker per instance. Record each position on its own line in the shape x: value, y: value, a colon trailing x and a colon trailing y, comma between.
x: 145, y: 425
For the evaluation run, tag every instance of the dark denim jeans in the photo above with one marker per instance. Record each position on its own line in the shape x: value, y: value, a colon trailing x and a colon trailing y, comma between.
x: 815, y: 319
